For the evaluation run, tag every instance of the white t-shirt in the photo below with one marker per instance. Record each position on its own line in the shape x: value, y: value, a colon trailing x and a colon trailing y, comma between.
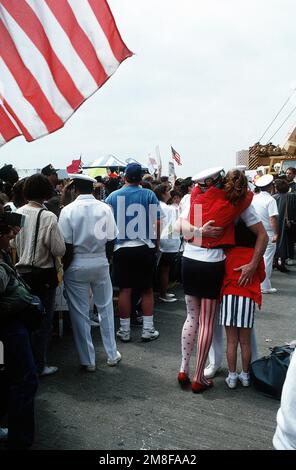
x: 87, y: 224
x: 169, y: 241
x: 214, y: 255
x: 285, y: 434
x: 265, y: 206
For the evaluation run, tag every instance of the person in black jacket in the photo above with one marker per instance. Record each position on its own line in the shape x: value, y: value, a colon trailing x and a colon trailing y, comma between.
x: 286, y: 203
x: 18, y: 378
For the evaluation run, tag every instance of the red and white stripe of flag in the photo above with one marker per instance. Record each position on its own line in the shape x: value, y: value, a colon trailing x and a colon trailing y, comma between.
x: 176, y: 156
x: 54, y: 54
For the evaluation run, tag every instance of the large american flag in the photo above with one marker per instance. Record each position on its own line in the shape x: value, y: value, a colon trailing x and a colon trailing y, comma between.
x: 54, y: 54
x: 176, y: 156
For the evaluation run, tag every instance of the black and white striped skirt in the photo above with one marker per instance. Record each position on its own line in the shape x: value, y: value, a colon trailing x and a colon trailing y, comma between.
x: 237, y: 311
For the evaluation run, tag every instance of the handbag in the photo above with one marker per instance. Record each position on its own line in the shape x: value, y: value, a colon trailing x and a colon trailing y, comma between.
x: 41, y: 278
x: 268, y: 373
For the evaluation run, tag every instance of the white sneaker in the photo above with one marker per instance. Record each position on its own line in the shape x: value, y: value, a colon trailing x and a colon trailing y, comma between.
x: 290, y: 262
x: 113, y: 362
x: 94, y: 317
x: 169, y: 295
x: 94, y: 324
x: 211, y: 370
x: 89, y: 368
x: 123, y: 335
x: 3, y: 434
x: 168, y: 299
x: 149, y: 334
x: 244, y: 380
x: 231, y: 382
x: 272, y: 290
x: 48, y: 370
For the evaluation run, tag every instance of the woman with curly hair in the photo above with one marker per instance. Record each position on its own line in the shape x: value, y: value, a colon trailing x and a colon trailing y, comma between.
x: 38, y: 245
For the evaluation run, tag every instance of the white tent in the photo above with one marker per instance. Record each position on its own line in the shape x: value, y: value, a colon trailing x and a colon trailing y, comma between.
x: 112, y: 161
x: 106, y: 162
x: 98, y: 167
x: 25, y: 172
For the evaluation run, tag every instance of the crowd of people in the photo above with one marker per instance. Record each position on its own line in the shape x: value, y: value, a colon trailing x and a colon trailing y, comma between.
x: 228, y: 237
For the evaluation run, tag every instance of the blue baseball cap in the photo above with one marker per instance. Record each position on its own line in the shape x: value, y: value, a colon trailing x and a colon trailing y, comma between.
x: 133, y: 172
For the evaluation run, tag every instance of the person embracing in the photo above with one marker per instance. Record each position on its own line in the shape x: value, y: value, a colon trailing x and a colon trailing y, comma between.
x: 217, y: 201
x: 238, y: 303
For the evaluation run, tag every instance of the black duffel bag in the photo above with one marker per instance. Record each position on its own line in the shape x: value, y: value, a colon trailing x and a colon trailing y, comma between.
x: 268, y: 373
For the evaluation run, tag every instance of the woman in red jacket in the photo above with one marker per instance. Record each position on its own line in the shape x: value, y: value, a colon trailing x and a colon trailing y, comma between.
x: 221, y: 200
x: 238, y: 304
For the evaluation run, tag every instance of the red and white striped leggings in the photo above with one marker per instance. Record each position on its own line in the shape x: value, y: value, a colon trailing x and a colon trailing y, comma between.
x: 200, y: 319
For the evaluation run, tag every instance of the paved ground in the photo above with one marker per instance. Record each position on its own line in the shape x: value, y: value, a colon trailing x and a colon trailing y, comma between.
x: 139, y: 405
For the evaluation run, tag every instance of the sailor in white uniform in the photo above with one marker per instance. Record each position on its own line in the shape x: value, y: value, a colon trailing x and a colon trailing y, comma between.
x: 266, y: 208
x: 89, y: 228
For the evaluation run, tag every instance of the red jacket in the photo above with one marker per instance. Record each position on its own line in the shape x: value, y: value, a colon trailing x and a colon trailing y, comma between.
x: 216, y: 207
x: 236, y: 257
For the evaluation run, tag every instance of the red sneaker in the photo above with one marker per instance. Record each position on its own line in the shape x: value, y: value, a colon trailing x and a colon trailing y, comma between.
x: 183, y: 379
x: 199, y: 388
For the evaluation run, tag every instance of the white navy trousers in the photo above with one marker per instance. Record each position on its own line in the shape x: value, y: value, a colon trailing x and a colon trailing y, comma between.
x: 268, y: 260
x: 90, y: 272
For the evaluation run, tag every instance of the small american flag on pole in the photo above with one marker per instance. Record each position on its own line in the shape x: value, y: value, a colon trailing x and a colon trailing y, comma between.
x: 54, y: 54
x: 176, y: 156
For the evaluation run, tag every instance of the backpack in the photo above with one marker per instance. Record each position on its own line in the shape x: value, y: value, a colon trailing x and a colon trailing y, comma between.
x: 268, y: 373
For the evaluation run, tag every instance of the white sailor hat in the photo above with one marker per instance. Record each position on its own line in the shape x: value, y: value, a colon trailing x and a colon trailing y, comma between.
x: 240, y: 167
x: 263, y: 181
x: 210, y: 173
x: 81, y: 176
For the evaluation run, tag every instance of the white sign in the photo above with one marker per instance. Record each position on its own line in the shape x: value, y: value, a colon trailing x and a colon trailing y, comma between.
x: 172, y: 169
x: 172, y: 173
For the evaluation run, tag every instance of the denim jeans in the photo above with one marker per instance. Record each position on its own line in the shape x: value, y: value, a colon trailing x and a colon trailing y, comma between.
x: 20, y: 384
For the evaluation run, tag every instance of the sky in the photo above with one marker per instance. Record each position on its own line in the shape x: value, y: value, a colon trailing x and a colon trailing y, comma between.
x: 207, y: 78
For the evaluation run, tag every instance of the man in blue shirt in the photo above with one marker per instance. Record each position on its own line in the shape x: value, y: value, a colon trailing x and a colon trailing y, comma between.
x: 137, y: 213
